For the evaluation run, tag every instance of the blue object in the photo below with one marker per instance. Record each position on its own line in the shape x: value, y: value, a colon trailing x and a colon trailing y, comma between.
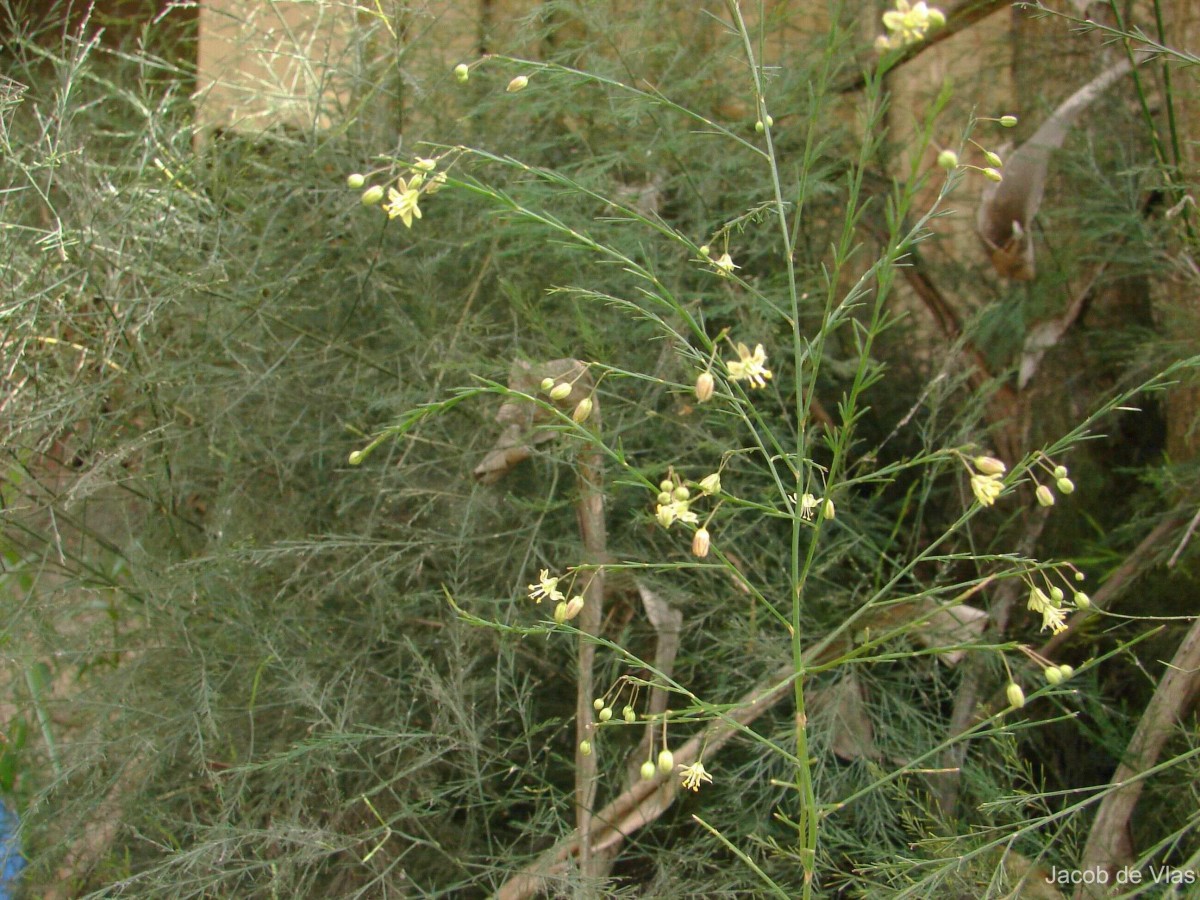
x: 11, y: 860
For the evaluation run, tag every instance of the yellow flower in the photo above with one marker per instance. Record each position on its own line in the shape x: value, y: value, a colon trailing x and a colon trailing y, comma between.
x: 694, y: 775
x: 725, y: 264
x: 546, y: 588
x: 675, y: 511
x: 402, y: 203
x: 908, y: 24
x: 986, y: 488
x: 1052, y: 616
x: 750, y: 366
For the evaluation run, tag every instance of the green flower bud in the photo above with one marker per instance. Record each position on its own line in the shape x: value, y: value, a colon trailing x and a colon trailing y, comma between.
x: 1060, y: 472
x: 989, y: 465
x: 648, y: 770
x: 1008, y: 121
x: 705, y: 251
x: 664, y: 498
x: 598, y: 704
x: 1082, y: 600
x: 704, y: 387
x: 560, y: 391
x: 585, y: 748
x: 462, y: 72
x: 583, y: 410
x: 629, y: 714
x: 993, y: 159
x: 666, y: 761
x: 948, y: 160
x: 560, y: 612
x: 517, y: 84
x: 1065, y: 486
x: 1053, y: 674
x: 1045, y: 496
x: 372, y: 195
x: 1067, y: 671
x: 701, y: 542
x: 547, y: 385
x: 711, y: 484
x: 828, y: 510
x: 1056, y: 594
x: 356, y: 457
x: 1016, y: 696
x: 605, y: 714
x: 681, y: 493
x: 993, y: 175
x: 666, y: 485
x: 355, y: 181
x: 1079, y: 576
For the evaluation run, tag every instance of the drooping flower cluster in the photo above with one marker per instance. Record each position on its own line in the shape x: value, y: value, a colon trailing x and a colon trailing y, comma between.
x: 987, y: 478
x: 405, y: 194
x: 547, y: 589
x: 908, y: 24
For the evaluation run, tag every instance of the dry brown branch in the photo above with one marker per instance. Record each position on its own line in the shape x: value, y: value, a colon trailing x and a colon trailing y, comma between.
x: 1108, y: 846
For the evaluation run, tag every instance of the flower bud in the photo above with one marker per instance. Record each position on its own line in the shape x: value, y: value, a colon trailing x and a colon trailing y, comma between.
x: 666, y: 485
x: 425, y: 165
x: 681, y: 493
x: 700, y: 543
x: 1008, y: 121
x: 1045, y: 496
x: 1056, y: 594
x: 356, y: 457
x: 948, y: 160
x: 989, y: 465
x: 598, y: 704
x: 1053, y: 674
x: 705, y: 251
x: 1060, y: 472
x: 828, y: 510
x: 648, y: 770
x: 993, y: 159
x: 585, y: 748
x: 560, y: 612
x: 1065, y: 485
x: 574, y: 607
x: 666, y: 761
x: 605, y: 714
x: 462, y: 72
x: 517, y: 84
x: 547, y: 384
x: 759, y: 127
x: 583, y: 410
x: 355, y: 181
x: 704, y: 387
x: 1082, y: 600
x: 629, y: 714
x: 560, y: 391
x: 664, y: 498
x: 1067, y: 671
x: 372, y: 195
x: 1079, y: 576
x: 711, y: 484
x: 1016, y: 696
x: 992, y: 175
